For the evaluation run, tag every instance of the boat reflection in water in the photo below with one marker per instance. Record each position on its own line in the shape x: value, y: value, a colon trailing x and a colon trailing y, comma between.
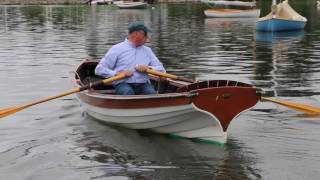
x: 121, y: 152
x: 229, y: 24
x: 279, y: 36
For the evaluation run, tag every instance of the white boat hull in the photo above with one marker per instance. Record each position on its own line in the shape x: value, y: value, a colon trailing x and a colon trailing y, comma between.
x: 183, y: 121
x: 131, y: 5
x: 230, y: 3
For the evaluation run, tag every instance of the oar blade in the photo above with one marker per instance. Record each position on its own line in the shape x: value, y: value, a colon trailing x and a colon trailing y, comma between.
x: 297, y: 106
x: 7, y: 111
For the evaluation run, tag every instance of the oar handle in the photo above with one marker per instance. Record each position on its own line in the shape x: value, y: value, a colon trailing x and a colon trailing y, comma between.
x: 105, y: 81
x: 166, y: 75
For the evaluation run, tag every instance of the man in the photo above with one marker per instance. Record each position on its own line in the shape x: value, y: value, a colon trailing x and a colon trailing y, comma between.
x: 132, y: 58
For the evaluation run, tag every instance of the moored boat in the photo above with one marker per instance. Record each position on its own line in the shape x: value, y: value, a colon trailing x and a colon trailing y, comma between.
x: 230, y: 3
x: 200, y: 110
x: 281, y: 18
x: 131, y: 5
x: 215, y: 12
x: 232, y: 13
x: 99, y: 2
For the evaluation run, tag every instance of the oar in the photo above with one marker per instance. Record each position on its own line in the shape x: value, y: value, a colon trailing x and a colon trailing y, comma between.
x: 297, y: 106
x: 11, y: 110
x: 166, y: 75
x: 311, y: 110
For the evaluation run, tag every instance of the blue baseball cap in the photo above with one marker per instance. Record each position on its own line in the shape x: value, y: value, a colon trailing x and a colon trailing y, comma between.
x: 137, y: 26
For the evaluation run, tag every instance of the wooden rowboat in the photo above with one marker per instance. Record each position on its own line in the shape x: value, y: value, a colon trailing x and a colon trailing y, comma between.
x: 201, y: 110
x: 232, y: 13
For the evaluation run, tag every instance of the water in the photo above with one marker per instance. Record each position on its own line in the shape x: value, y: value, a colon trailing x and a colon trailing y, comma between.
x: 41, y: 45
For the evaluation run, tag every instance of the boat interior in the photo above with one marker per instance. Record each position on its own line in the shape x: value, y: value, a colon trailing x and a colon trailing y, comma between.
x: 85, y: 75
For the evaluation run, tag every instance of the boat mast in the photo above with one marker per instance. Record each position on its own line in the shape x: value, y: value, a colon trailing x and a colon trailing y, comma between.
x: 274, y: 8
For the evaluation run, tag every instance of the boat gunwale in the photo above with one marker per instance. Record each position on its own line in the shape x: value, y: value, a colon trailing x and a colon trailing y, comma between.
x: 94, y: 94
x: 189, y: 94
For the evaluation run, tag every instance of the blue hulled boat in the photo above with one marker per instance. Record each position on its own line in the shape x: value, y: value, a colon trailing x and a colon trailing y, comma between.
x: 281, y: 18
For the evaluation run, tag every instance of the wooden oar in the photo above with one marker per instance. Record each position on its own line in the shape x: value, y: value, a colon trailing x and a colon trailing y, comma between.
x: 11, y: 110
x: 166, y: 75
x: 307, y: 109
x: 297, y: 106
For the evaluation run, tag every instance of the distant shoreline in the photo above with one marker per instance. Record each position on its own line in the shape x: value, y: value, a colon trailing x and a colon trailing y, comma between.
x: 39, y: 2
x: 74, y: 2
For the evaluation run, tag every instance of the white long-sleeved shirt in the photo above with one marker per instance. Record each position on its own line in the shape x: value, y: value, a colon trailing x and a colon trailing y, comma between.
x: 125, y: 56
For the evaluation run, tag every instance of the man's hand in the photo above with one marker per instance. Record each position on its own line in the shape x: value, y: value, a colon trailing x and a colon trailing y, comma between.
x: 127, y: 73
x: 142, y: 68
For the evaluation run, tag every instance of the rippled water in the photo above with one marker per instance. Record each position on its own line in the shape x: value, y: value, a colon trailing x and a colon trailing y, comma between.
x: 41, y: 45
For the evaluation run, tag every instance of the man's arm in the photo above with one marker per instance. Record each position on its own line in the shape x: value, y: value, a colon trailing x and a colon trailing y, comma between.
x: 106, y: 65
x: 155, y: 63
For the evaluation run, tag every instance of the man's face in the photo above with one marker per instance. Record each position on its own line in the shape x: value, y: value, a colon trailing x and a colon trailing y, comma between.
x: 141, y: 37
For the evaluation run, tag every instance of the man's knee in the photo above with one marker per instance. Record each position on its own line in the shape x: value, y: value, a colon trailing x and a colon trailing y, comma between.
x: 125, y: 92
x: 124, y: 89
x: 148, y: 89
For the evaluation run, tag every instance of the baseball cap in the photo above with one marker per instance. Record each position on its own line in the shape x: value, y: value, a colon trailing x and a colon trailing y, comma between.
x: 137, y: 26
